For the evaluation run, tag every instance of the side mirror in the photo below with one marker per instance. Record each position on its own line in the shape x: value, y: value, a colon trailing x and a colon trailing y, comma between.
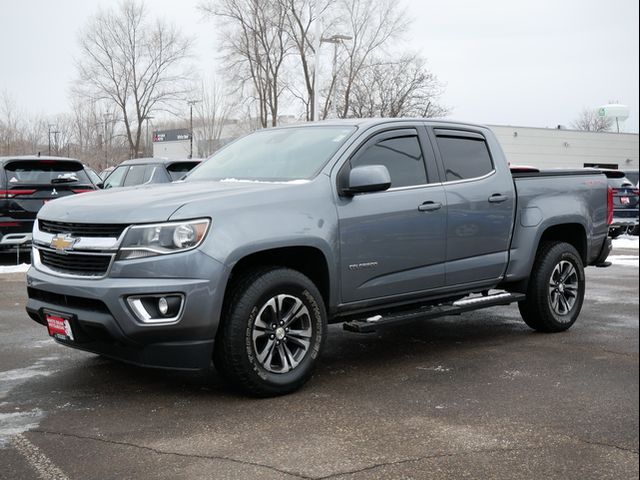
x: 368, y: 178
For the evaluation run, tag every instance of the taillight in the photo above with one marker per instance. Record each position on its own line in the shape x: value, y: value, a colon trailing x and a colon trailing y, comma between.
x: 82, y: 190
x: 609, y: 206
x: 15, y: 193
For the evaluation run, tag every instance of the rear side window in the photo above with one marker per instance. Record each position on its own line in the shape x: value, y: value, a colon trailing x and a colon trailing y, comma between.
x: 45, y: 172
x: 464, y: 157
x: 178, y: 170
x: 401, y: 155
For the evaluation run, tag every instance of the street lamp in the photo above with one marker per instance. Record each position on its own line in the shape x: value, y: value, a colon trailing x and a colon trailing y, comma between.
x: 191, y: 103
x: 147, y: 138
x: 336, y: 40
x: 49, y: 136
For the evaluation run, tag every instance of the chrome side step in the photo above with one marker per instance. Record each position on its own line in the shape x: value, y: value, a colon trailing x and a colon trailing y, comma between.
x: 368, y: 325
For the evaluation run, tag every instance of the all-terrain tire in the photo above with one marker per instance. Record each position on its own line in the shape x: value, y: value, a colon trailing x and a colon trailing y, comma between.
x: 553, y: 303
x: 241, y: 341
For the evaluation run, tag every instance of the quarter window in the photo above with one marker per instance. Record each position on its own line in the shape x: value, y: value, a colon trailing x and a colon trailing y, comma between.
x: 464, y: 158
x: 402, y: 156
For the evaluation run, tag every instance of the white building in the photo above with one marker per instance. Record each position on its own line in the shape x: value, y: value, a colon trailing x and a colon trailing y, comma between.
x: 562, y: 148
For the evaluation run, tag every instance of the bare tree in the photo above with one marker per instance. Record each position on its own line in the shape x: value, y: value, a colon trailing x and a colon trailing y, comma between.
x: 212, y: 113
x: 402, y: 88
x: 9, y: 124
x: 372, y: 24
x: 301, y: 16
x: 590, y: 121
x: 134, y: 63
x: 256, y: 46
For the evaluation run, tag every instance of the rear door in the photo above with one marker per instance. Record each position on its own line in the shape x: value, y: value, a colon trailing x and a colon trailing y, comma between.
x: 32, y: 183
x: 393, y: 242
x: 480, y: 207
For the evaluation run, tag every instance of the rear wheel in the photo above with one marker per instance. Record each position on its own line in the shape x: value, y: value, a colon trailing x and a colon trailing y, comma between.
x: 272, y: 332
x: 556, y: 289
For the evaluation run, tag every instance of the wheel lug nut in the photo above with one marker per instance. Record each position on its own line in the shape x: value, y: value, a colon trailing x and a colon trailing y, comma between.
x: 272, y: 337
x: 286, y: 329
x: 281, y: 322
x: 278, y: 342
x: 273, y: 325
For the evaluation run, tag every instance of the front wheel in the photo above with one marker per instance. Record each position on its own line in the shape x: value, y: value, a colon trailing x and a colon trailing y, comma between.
x: 272, y: 332
x: 556, y: 289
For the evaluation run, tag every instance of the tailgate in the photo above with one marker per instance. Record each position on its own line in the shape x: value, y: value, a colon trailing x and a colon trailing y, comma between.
x: 32, y: 183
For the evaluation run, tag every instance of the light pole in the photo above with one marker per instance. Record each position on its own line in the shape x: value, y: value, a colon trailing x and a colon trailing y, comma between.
x: 191, y: 104
x: 146, y: 141
x: 336, y: 40
x: 49, y: 137
x: 105, y: 116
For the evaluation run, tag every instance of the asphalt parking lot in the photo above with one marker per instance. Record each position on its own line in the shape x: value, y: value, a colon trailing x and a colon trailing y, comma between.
x: 476, y: 396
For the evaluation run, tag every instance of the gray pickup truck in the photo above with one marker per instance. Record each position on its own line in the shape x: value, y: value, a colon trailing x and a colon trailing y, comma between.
x: 364, y: 222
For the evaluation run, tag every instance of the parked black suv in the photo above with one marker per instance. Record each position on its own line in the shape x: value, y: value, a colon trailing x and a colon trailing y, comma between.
x: 143, y: 171
x: 26, y: 184
x: 624, y: 195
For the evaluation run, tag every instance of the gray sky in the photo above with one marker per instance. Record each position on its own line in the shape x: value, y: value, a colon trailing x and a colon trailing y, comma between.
x: 530, y: 63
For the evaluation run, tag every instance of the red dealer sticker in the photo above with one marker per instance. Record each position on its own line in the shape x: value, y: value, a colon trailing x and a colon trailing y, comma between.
x: 59, y: 326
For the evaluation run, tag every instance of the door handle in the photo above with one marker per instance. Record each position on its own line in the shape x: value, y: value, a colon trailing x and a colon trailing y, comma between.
x: 497, y: 198
x: 430, y: 206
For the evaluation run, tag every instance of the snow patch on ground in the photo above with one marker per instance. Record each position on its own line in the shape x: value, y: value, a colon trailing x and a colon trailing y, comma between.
x: 14, y: 268
x: 624, y: 260
x: 626, y: 241
x: 14, y: 423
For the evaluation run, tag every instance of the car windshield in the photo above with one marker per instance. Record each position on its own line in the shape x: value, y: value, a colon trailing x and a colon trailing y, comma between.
x: 276, y: 155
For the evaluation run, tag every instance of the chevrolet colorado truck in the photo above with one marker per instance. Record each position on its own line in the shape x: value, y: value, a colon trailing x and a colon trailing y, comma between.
x: 365, y: 222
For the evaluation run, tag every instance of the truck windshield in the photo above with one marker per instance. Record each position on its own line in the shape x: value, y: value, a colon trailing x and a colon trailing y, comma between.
x: 286, y: 154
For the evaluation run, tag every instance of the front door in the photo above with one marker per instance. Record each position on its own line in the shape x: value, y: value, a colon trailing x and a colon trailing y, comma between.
x: 393, y: 242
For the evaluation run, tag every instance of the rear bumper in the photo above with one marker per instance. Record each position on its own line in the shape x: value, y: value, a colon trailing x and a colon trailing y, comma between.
x: 104, y: 323
x: 15, y: 233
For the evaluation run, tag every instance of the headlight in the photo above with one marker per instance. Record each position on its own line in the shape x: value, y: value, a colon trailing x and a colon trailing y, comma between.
x: 162, y: 238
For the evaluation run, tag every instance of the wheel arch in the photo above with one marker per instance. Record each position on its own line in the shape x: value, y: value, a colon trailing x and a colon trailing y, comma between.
x: 308, y: 260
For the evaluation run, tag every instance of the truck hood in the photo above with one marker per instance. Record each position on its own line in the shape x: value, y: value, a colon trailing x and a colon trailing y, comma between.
x: 148, y: 203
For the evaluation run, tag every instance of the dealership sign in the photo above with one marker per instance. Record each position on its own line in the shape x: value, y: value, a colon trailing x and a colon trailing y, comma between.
x: 174, y: 135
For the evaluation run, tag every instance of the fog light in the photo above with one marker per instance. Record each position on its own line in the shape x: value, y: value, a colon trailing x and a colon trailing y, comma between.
x: 156, y: 308
x: 163, y: 306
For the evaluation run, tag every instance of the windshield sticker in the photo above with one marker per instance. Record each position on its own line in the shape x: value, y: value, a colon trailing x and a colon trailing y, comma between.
x: 13, y: 180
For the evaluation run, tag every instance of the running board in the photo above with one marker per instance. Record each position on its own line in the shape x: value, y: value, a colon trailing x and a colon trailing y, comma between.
x: 370, y: 324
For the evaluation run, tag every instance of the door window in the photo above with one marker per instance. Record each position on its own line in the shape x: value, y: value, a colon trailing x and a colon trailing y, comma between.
x: 401, y: 155
x: 464, y: 157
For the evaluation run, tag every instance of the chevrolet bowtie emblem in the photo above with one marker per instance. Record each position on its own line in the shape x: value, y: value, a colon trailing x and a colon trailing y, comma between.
x: 63, y: 243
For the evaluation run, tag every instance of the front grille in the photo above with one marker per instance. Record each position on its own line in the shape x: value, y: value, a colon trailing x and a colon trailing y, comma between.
x: 67, y: 301
x: 82, y: 229
x: 75, y: 264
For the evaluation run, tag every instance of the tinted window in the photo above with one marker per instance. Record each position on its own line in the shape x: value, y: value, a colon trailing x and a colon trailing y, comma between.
x: 464, y: 157
x: 38, y: 172
x: 402, y: 157
x: 116, y: 177
x: 178, y: 170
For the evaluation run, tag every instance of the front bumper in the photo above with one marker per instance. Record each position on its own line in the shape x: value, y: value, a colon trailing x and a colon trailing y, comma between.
x: 104, y: 323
